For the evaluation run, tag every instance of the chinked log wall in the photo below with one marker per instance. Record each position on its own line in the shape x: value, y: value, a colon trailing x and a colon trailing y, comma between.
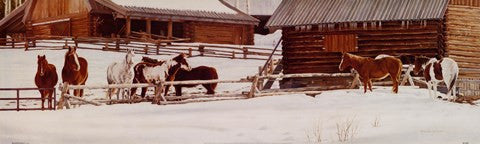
x: 463, y: 43
x: 303, y: 51
x: 219, y: 33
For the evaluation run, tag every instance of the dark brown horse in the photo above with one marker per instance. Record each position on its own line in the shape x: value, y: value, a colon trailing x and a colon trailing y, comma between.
x: 154, y: 73
x: 46, y: 77
x: 376, y: 69
x: 75, y: 70
x: 198, y: 73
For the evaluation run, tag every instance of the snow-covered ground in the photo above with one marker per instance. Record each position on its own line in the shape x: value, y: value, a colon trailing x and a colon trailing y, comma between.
x: 376, y: 117
x: 408, y: 117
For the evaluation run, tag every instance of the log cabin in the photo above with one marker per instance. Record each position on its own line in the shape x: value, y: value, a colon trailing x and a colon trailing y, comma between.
x: 208, y: 21
x: 316, y: 32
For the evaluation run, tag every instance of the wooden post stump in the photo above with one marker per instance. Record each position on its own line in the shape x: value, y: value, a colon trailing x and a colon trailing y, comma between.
x: 253, y: 88
x: 201, y: 49
x: 146, y: 49
x: 233, y: 54
x: 245, y: 52
x: 63, y: 100
x: 158, y: 48
x: 190, y: 52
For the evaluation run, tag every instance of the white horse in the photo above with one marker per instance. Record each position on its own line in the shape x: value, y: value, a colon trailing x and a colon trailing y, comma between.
x: 435, y: 71
x: 121, y: 73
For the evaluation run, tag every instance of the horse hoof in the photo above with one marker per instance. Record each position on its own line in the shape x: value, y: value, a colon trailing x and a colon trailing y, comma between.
x: 439, y: 97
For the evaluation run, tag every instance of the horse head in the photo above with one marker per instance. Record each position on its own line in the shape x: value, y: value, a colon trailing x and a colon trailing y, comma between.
x: 72, y: 56
x: 419, y: 63
x: 345, y: 63
x: 42, y: 64
x: 182, y: 61
x: 129, y: 57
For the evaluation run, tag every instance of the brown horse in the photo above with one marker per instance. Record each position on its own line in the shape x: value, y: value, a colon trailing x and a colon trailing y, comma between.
x: 46, y: 77
x: 198, y: 73
x: 376, y: 69
x: 157, y: 72
x: 75, y: 70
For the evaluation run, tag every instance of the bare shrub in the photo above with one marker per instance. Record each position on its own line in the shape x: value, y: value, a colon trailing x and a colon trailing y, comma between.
x: 316, y: 134
x: 346, y: 130
x: 376, y: 122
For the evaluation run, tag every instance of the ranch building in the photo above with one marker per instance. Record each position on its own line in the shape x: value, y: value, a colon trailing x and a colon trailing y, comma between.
x: 316, y: 32
x: 208, y: 21
x: 260, y: 9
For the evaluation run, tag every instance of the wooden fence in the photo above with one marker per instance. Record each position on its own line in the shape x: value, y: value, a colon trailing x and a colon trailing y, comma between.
x: 18, y: 99
x: 163, y: 47
x: 158, y: 98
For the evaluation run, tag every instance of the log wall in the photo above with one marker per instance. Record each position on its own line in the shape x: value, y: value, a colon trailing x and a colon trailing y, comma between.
x: 79, y: 26
x: 304, y: 51
x: 463, y: 42
x: 219, y: 33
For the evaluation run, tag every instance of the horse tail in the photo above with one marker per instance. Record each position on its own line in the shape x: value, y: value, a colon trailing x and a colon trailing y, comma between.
x: 452, y: 83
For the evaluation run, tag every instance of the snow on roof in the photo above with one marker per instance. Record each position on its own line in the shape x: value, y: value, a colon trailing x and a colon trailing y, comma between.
x: 256, y: 7
x: 195, y: 5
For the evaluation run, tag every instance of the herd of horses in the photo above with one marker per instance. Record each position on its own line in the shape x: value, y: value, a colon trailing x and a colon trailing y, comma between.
x: 75, y: 72
x: 153, y: 71
x: 435, y: 70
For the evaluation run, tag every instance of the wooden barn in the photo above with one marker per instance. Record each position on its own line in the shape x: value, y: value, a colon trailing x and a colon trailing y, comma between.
x: 260, y: 9
x: 316, y: 32
x: 209, y: 21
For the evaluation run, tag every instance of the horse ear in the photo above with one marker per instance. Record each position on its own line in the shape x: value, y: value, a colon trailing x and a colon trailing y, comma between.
x: 38, y: 56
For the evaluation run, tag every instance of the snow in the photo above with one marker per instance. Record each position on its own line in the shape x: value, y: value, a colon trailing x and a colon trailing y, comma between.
x: 256, y: 7
x: 269, y: 40
x: 197, y: 5
x: 408, y: 117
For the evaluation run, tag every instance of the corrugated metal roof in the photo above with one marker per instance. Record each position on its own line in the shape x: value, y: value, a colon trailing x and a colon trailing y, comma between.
x: 308, y: 12
x: 188, y: 14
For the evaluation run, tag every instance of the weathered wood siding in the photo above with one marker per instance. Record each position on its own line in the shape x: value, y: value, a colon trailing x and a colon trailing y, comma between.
x: 463, y: 42
x: 475, y: 3
x: 304, y: 51
x: 48, y: 11
x: 219, y: 33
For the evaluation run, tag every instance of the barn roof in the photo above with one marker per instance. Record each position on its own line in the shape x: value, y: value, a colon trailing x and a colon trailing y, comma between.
x: 197, y: 10
x: 256, y: 7
x: 13, y: 21
x: 308, y: 12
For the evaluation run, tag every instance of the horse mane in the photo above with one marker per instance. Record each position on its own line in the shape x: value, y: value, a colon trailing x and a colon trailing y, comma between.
x: 422, y: 59
x: 150, y: 60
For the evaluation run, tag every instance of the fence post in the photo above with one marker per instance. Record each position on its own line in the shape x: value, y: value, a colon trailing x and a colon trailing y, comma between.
x: 26, y: 43
x: 66, y: 43
x: 189, y: 52
x: 233, y: 54
x: 34, y: 42
x: 158, y: 95
x: 253, y: 88
x: 201, y: 49
x: 75, y: 41
x: 13, y: 43
x: 158, y: 48
x: 18, y: 100
x: 54, y: 98
x: 117, y: 43
x: 106, y: 46
x: 62, y: 101
x: 245, y: 52
x: 146, y: 49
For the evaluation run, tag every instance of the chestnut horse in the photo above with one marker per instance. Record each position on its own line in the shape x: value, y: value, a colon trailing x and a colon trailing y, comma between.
x: 46, y: 77
x: 376, y: 69
x: 435, y: 71
x: 75, y: 70
x: 157, y: 72
x: 198, y: 73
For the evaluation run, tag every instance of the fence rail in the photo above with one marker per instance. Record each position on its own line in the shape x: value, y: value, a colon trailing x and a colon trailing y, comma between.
x: 141, y: 46
x: 18, y: 99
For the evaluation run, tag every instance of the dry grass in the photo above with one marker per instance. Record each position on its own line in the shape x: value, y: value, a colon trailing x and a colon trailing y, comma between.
x: 316, y: 135
x: 376, y: 122
x: 346, y: 130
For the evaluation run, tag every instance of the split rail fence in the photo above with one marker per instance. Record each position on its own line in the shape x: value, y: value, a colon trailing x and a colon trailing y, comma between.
x: 18, y: 98
x: 159, y: 47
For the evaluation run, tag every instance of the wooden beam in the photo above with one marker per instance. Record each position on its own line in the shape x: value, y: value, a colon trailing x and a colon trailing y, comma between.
x: 128, y: 26
x: 149, y: 26
x: 3, y: 40
x: 170, y: 29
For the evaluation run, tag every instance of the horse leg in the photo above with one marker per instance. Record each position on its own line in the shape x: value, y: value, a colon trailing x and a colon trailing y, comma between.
x: 429, y: 87
x: 42, y: 93
x: 178, y: 90
x: 49, y: 97
x: 435, y: 85
x: 395, y: 81
x: 210, y: 88
x: 144, y: 90
x: 167, y: 87
x: 370, y: 85
x: 365, y: 84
